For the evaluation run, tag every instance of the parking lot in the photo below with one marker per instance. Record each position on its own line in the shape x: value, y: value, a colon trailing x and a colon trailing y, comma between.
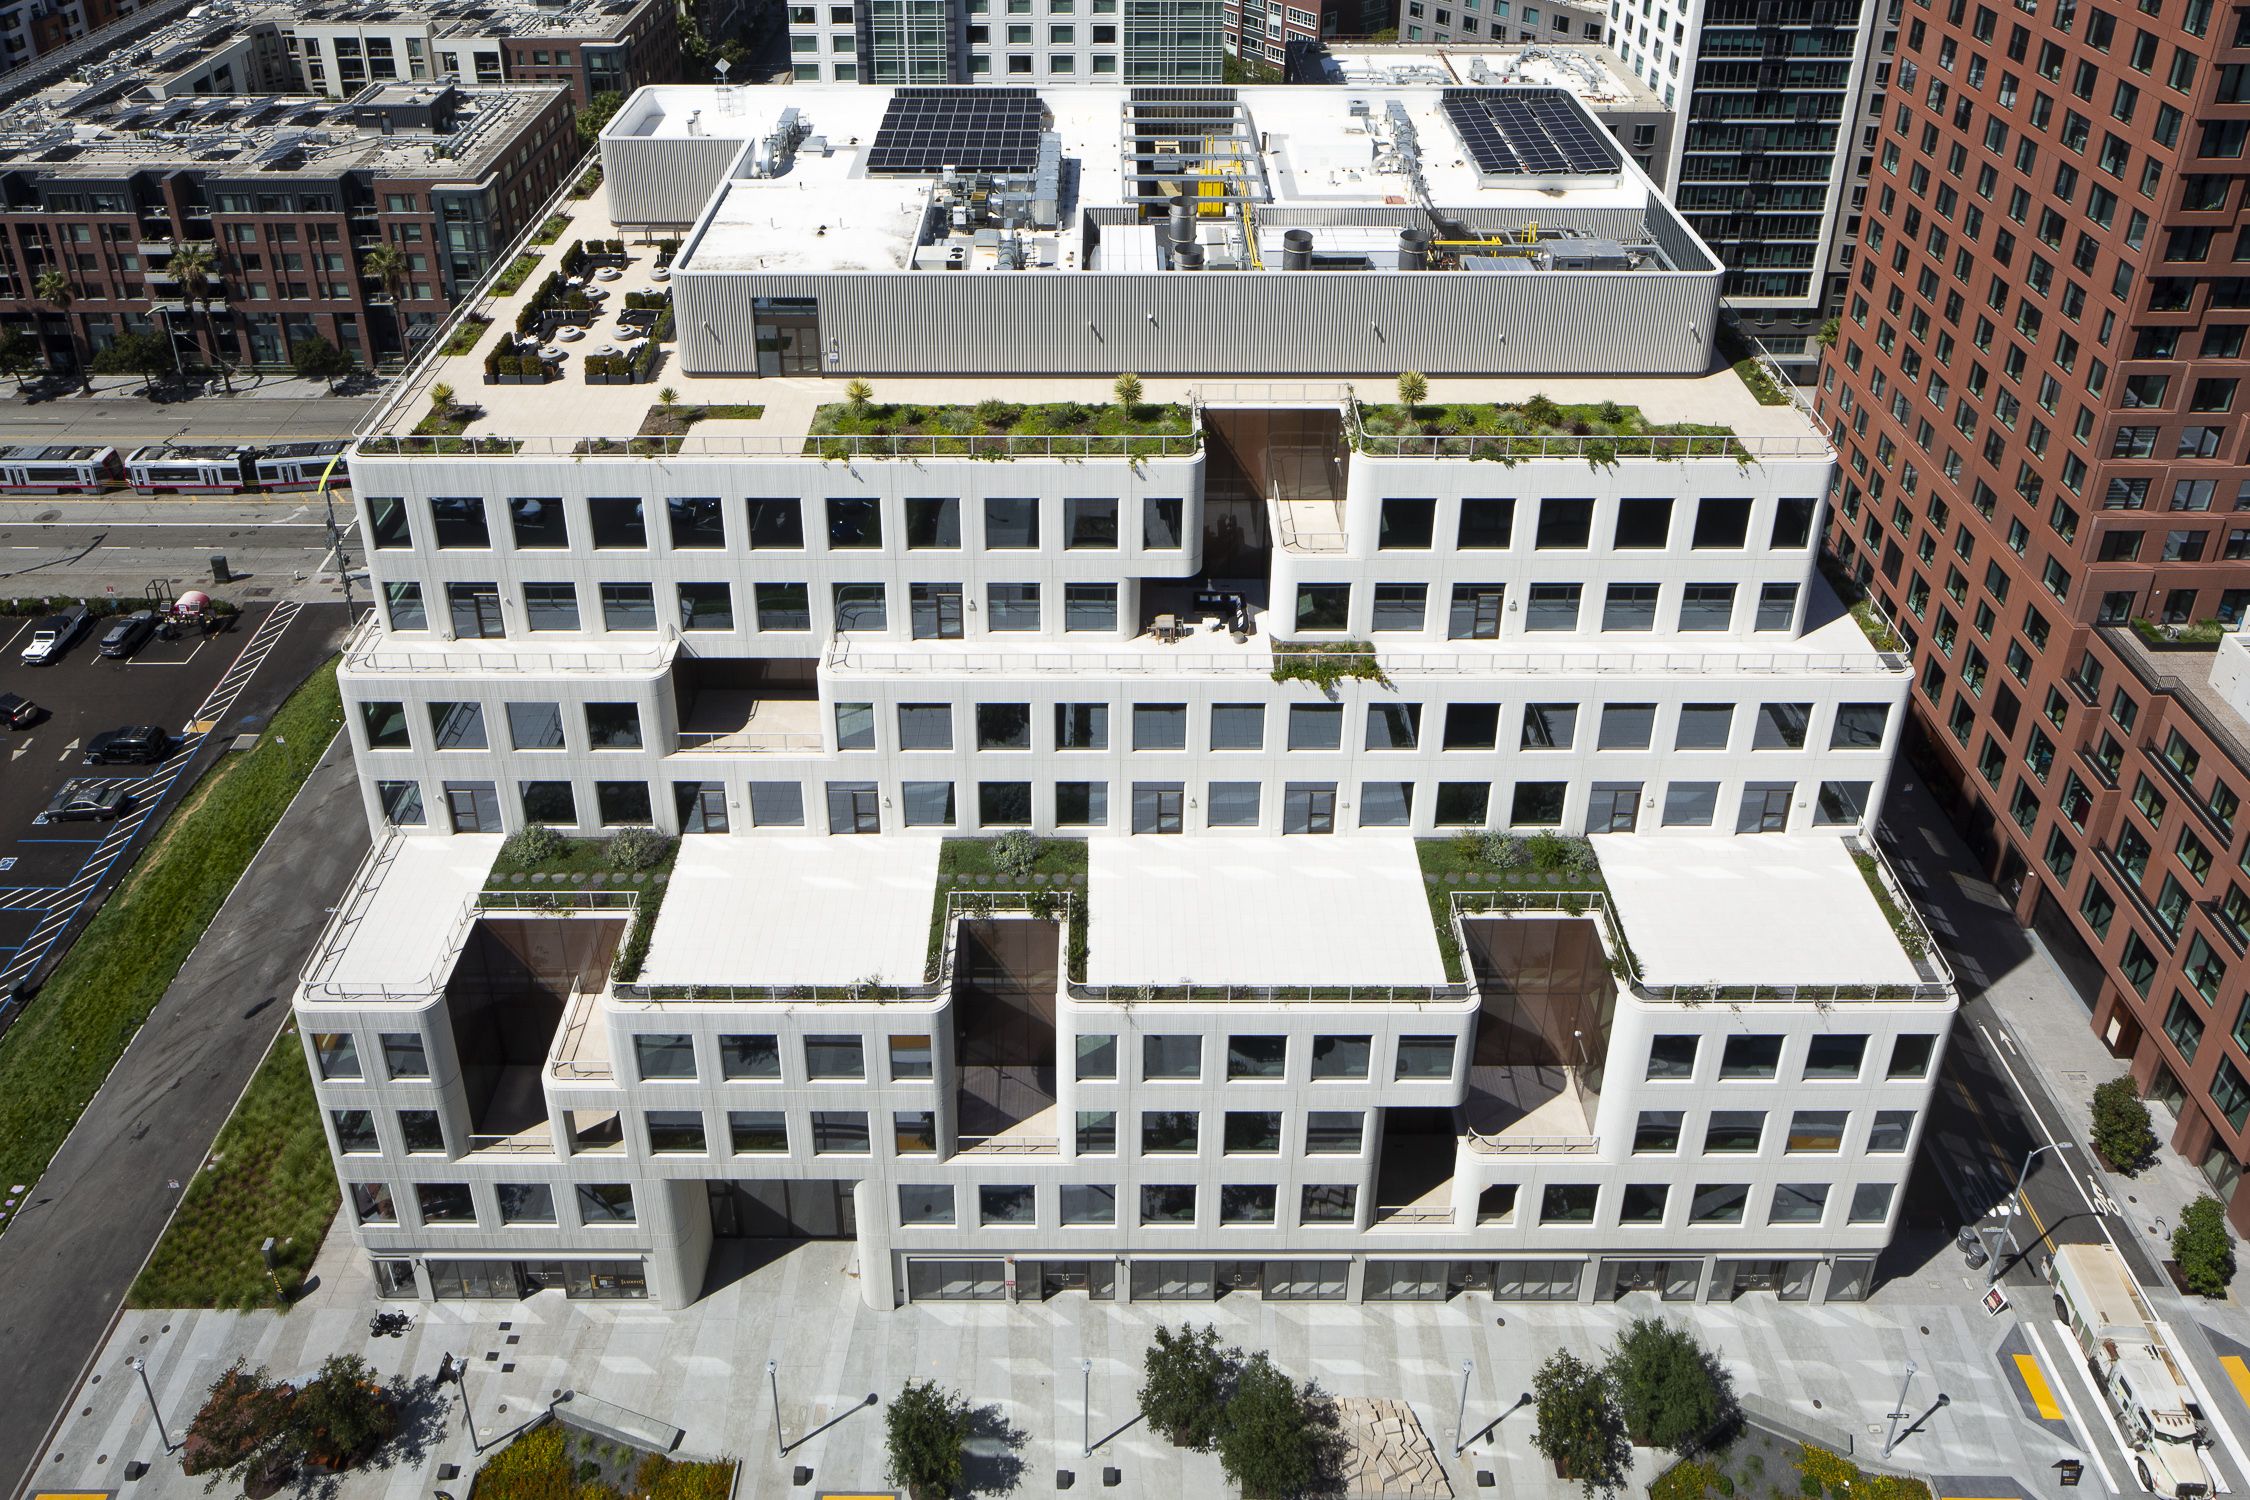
x: 203, y: 690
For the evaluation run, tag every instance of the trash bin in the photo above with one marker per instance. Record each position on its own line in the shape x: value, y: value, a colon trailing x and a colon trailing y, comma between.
x: 219, y: 573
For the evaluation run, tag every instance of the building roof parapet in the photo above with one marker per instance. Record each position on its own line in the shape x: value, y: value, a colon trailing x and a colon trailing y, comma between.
x: 1626, y: 968
x: 1257, y: 656
x: 826, y: 447
x: 367, y: 651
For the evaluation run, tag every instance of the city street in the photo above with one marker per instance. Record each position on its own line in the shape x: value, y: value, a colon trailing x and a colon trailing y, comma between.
x: 125, y: 422
x: 274, y: 545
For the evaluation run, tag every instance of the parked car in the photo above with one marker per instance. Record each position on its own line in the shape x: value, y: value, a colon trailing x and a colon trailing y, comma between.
x: 88, y: 801
x: 18, y: 712
x: 134, y: 745
x: 51, y: 637
x: 129, y: 634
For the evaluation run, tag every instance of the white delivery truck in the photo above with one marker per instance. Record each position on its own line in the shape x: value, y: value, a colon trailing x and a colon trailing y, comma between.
x: 2133, y: 1362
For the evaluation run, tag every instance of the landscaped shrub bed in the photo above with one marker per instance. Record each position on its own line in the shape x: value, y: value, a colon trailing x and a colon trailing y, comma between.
x: 1759, y: 1465
x: 557, y: 1462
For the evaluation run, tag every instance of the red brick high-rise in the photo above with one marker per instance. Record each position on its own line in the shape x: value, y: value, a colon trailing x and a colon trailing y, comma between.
x: 2036, y: 390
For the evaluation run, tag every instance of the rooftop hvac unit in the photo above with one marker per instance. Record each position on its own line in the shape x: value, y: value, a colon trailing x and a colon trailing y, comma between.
x: 1589, y: 255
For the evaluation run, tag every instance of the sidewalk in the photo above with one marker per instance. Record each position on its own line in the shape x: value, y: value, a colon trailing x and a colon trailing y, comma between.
x: 66, y: 1263
x: 248, y: 385
x: 2047, y: 1024
x: 1835, y: 1370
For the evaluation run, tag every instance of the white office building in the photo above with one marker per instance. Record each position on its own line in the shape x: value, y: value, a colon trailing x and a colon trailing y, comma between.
x: 1256, y: 664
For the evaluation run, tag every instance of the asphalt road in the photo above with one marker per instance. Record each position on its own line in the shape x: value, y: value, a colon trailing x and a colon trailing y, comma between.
x: 205, y: 419
x: 77, y: 558
x: 72, y: 1252
x: 1990, y: 1112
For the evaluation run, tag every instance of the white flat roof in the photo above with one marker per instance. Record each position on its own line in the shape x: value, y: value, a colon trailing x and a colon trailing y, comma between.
x: 1767, y: 908
x: 795, y: 911
x: 404, y: 931
x: 826, y: 214
x: 1258, y: 910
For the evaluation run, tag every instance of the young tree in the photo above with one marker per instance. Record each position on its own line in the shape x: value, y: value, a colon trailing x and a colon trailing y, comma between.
x: 318, y: 359
x: 341, y: 1417
x: 857, y: 394
x: 1272, y: 1434
x: 924, y: 1430
x: 1662, y: 1380
x: 2204, y: 1249
x: 242, y: 1430
x: 1186, y: 1380
x: 2121, y: 1125
x: 1578, y: 1426
x: 144, y: 354
x: 19, y: 356
x: 1127, y: 388
x: 595, y: 115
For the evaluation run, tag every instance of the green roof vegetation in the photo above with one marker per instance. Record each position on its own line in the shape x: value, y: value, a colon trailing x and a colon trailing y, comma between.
x: 1509, y: 430
x: 998, y: 429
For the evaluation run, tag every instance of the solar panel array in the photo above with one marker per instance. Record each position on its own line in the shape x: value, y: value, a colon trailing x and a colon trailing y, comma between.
x: 1528, y: 133
x: 926, y: 130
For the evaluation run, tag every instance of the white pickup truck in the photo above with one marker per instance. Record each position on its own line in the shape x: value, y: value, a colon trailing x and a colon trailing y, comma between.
x: 52, y: 636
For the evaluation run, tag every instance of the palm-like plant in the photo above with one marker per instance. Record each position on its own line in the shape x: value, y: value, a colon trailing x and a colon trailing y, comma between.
x: 387, y: 264
x: 192, y: 266
x: 53, y: 287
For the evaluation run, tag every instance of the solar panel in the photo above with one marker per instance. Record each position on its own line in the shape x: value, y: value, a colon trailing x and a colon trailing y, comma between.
x: 926, y: 130
x: 1527, y: 132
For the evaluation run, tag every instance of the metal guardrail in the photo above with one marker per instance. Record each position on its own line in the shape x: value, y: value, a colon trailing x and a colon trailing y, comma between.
x: 1293, y: 540
x: 509, y: 1145
x: 562, y: 1062
x: 1740, y: 450
x: 1533, y: 1145
x: 822, y: 447
x: 748, y: 742
x: 1389, y: 1216
x: 546, y: 899
x: 1272, y: 392
x: 362, y: 653
x: 1257, y: 656
x: 1227, y: 994
x: 1018, y: 1145
x: 1934, y: 956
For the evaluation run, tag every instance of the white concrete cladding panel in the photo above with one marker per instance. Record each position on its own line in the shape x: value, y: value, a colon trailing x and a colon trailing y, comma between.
x: 1372, y: 323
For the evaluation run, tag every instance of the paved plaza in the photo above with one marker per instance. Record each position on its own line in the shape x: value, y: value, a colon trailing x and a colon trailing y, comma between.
x: 1833, y: 1370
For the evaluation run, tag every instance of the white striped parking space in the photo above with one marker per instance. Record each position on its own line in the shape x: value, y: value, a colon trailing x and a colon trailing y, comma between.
x: 59, y: 906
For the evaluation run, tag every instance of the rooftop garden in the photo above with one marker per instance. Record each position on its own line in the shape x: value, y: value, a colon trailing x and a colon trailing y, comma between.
x: 996, y: 429
x: 1326, y: 663
x: 1014, y: 861
x: 2203, y: 633
x: 1872, y: 621
x: 538, y: 860
x: 668, y: 418
x: 1503, y: 861
x: 1601, y: 432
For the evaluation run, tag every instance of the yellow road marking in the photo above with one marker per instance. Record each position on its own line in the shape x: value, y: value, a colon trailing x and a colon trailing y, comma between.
x: 1969, y: 1098
x: 2035, y: 1380
x: 2238, y: 1373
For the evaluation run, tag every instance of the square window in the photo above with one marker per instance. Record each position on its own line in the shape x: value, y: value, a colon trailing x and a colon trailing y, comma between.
x: 757, y: 1132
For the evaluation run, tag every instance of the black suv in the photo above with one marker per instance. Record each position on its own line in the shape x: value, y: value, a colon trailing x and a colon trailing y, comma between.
x: 134, y: 745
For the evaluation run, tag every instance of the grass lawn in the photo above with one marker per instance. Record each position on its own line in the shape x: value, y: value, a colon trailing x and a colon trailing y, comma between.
x: 269, y: 1175
x: 54, y: 1059
x: 1454, y: 864
x: 961, y: 863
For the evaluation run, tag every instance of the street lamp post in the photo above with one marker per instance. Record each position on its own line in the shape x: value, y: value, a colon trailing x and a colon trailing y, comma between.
x: 2009, y: 1229
x: 140, y: 1368
x: 1900, y: 1411
x: 1086, y: 1431
x: 1461, y: 1412
x: 773, y: 1381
